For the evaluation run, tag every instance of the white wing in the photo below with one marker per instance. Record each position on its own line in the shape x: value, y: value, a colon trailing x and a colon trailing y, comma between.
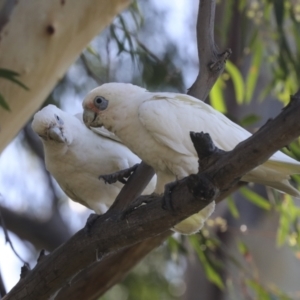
x: 170, y: 117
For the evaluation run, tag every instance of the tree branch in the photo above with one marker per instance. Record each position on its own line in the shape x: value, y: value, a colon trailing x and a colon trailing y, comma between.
x: 112, y: 232
x: 211, y: 62
x: 43, y: 235
x: 91, y: 284
x: 2, y: 287
x: 87, y: 281
x: 136, y: 184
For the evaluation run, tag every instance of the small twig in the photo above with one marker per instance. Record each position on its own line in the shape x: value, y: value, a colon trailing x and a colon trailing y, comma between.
x: 218, y: 65
x: 147, y: 51
x: 8, y: 240
x: 108, y: 59
x: 211, y: 62
x: 2, y: 287
x: 89, y: 71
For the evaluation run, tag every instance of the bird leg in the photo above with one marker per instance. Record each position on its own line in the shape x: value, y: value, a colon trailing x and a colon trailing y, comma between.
x: 167, y: 198
x: 91, y: 220
x: 120, y: 176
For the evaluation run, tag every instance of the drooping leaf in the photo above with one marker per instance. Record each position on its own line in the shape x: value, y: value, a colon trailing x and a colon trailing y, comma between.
x: 11, y: 75
x: 249, y: 120
x: 237, y: 80
x: 253, y: 71
x: 288, y: 221
x: 255, y: 198
x: 216, y: 96
x: 211, y: 273
x: 232, y: 207
x: 3, y: 103
x: 92, y: 51
x: 243, y: 249
x: 259, y: 290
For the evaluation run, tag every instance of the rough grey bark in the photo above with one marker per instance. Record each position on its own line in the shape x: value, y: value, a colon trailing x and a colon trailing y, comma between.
x: 211, y: 61
x: 91, y: 283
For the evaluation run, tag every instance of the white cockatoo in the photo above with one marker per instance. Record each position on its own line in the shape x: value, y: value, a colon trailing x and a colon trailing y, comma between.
x: 77, y: 156
x: 156, y: 127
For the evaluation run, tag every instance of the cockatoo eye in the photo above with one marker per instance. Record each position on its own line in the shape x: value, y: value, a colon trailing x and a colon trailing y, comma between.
x: 59, y: 120
x: 100, y: 102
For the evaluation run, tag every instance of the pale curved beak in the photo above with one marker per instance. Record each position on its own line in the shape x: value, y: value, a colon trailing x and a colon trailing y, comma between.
x: 89, y: 117
x: 54, y: 133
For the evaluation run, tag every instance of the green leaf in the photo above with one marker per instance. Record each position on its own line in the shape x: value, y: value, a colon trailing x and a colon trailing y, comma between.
x: 211, y: 273
x: 3, y: 103
x: 289, y: 214
x: 7, y: 73
x: 10, y: 75
x: 260, y: 291
x: 255, y: 198
x: 173, y: 244
x: 279, y: 12
x: 216, y: 96
x: 237, y: 80
x: 232, y: 207
x: 253, y: 71
x: 249, y: 120
x: 115, y: 37
x: 92, y: 51
x: 243, y: 249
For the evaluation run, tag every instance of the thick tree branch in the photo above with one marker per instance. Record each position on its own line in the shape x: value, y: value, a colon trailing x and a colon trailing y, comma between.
x: 87, y: 281
x: 211, y: 62
x: 112, y: 232
x: 91, y: 284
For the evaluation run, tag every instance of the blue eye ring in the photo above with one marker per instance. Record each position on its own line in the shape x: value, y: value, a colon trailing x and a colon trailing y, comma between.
x: 100, y: 102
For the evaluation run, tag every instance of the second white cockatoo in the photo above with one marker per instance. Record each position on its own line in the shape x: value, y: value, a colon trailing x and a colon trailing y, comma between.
x: 156, y: 127
x: 77, y: 156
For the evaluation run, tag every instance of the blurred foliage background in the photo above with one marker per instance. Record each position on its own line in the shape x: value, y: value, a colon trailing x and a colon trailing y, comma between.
x: 250, y: 248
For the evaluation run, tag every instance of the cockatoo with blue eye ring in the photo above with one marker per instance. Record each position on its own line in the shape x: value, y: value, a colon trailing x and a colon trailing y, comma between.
x: 156, y: 127
x: 77, y: 156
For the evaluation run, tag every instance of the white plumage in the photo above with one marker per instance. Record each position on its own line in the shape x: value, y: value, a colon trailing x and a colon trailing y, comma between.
x: 77, y: 156
x: 156, y: 127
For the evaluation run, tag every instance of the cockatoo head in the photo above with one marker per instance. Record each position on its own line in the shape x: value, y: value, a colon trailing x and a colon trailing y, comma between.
x: 49, y: 124
x: 109, y: 102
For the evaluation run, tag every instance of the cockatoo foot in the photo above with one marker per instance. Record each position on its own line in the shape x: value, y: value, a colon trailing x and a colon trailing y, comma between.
x: 121, y: 176
x: 91, y: 220
x: 167, y: 198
